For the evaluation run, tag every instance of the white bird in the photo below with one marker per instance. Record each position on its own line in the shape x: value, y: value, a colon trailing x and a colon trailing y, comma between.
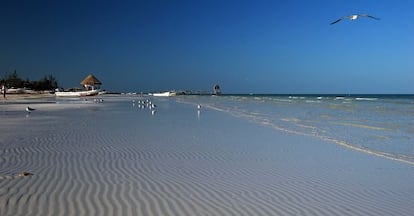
x: 354, y: 17
x: 198, y: 106
x: 29, y: 109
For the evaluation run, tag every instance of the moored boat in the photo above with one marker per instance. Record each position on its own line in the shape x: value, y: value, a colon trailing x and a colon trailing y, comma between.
x: 77, y: 93
x: 164, y: 94
x: 91, y: 87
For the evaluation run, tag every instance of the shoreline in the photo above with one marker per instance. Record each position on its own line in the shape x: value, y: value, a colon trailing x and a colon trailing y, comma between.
x: 120, y: 160
x: 11, y: 97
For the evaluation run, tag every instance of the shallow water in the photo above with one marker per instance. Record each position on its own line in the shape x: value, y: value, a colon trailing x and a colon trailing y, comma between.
x: 382, y: 125
x: 238, y: 155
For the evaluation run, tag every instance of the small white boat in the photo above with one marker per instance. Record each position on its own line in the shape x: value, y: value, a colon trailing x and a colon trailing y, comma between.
x: 77, y: 93
x: 15, y: 91
x: 91, y: 86
x: 164, y: 94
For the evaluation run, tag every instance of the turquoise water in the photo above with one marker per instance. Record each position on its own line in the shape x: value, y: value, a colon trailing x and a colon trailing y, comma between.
x: 381, y: 125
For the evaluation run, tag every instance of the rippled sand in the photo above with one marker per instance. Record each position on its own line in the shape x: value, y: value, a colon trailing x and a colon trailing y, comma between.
x: 112, y: 158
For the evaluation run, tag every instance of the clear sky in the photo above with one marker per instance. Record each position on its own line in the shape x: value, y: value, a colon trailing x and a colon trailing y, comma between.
x: 245, y: 46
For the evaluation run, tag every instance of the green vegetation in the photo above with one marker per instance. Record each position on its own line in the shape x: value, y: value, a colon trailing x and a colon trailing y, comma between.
x: 14, y: 81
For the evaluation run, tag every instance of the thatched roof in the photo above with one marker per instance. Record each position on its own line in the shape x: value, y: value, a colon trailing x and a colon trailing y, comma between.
x: 91, y: 80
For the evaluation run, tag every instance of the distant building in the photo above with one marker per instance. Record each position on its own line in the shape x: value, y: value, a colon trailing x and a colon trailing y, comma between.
x: 91, y: 83
x: 216, y: 89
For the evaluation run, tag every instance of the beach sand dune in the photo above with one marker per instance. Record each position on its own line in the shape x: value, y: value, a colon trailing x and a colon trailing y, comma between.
x: 113, y: 159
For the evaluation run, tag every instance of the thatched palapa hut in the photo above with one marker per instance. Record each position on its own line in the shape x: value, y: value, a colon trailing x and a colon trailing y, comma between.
x: 91, y: 82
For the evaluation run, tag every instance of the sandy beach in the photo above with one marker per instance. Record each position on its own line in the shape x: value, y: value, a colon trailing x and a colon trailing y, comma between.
x: 116, y: 158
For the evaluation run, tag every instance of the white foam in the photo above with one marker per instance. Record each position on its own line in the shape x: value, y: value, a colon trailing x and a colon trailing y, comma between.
x: 366, y: 99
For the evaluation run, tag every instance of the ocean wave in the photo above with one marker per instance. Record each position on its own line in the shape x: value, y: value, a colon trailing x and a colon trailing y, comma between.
x: 365, y: 99
x: 341, y: 128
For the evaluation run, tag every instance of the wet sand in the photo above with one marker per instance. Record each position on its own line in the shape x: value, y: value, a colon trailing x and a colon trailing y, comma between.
x: 112, y: 158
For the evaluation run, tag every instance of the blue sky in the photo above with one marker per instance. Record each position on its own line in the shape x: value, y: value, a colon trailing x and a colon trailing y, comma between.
x: 245, y: 46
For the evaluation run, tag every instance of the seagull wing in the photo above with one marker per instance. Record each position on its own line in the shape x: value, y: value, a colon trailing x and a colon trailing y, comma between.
x: 369, y: 16
x: 337, y: 21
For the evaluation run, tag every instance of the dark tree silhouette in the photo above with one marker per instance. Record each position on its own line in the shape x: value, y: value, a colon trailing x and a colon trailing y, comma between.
x: 48, y: 82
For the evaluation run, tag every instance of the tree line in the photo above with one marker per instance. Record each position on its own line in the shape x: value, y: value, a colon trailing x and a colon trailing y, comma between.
x: 13, y: 80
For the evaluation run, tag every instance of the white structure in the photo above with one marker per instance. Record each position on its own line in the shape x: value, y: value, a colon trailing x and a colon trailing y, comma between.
x: 91, y: 86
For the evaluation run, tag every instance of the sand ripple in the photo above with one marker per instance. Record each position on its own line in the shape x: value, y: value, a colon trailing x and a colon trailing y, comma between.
x: 84, y: 171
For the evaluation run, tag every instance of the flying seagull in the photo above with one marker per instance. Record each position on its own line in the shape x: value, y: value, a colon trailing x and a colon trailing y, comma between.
x: 354, y: 17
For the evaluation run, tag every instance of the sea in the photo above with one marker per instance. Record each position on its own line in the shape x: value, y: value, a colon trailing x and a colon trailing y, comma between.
x: 380, y: 125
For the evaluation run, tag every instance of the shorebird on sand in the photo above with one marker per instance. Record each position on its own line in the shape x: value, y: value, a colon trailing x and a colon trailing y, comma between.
x: 24, y: 174
x: 354, y: 17
x: 29, y: 109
